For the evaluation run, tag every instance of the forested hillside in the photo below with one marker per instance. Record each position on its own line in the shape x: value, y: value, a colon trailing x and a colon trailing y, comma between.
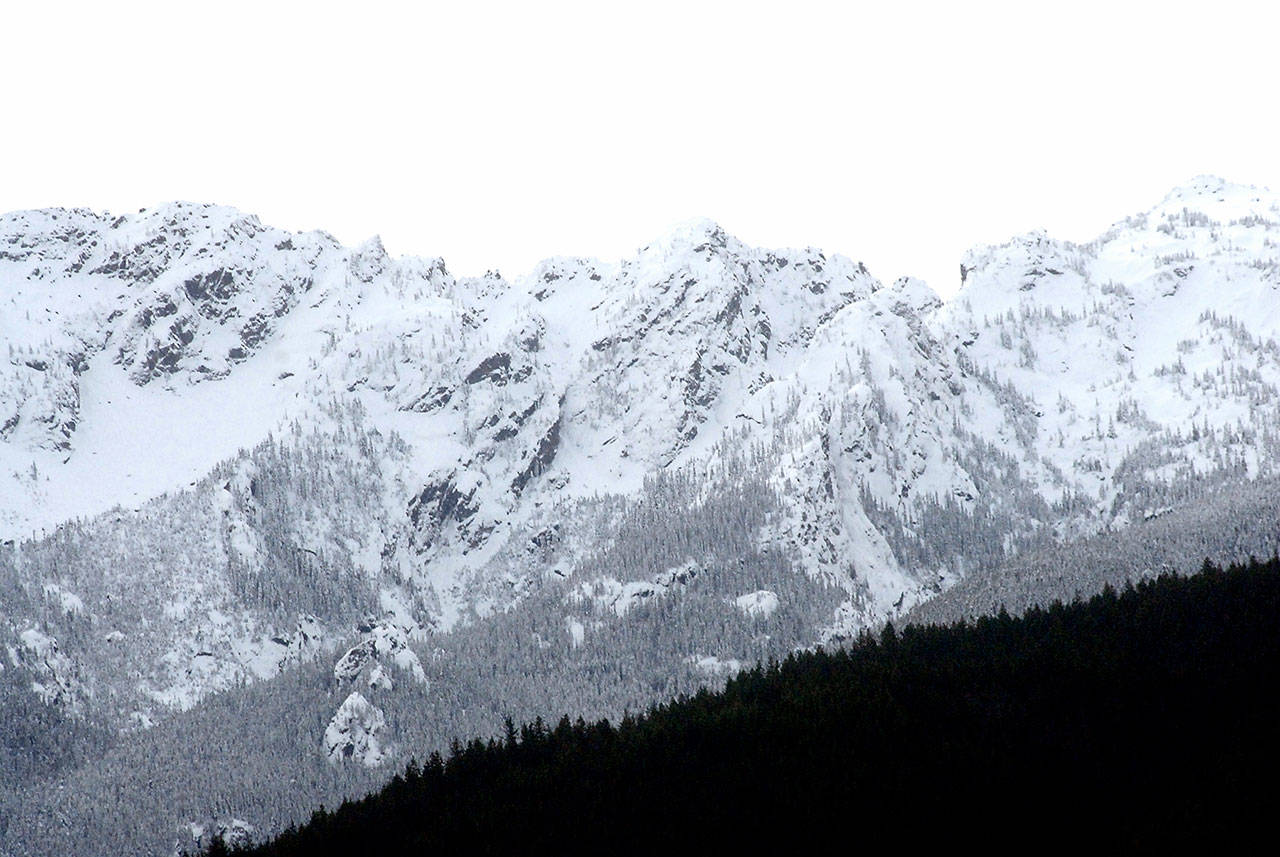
x: 1139, y: 719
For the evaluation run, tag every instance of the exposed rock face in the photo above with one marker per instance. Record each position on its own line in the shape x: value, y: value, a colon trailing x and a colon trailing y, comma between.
x: 384, y: 643
x: 352, y: 734
x: 198, y: 836
x: 40, y: 400
x: 611, y: 596
x: 55, y: 678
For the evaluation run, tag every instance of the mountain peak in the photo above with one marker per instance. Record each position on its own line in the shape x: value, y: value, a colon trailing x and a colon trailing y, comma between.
x: 1201, y: 185
x: 1211, y: 188
x: 916, y: 294
x: 694, y: 233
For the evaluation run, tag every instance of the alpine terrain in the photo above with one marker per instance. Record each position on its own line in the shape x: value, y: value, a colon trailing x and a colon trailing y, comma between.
x: 277, y: 514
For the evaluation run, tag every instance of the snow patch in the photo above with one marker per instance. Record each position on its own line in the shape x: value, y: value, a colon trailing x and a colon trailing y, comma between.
x: 714, y: 666
x: 760, y: 604
x: 577, y: 631
x: 71, y: 604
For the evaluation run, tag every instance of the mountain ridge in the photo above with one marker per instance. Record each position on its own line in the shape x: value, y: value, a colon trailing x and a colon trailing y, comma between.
x: 415, y: 455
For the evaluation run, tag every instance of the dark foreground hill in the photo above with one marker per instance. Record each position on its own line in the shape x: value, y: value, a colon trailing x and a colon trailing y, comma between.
x: 1139, y: 720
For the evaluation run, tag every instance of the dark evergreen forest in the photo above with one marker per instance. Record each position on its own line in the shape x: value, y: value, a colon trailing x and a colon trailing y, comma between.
x: 1137, y: 720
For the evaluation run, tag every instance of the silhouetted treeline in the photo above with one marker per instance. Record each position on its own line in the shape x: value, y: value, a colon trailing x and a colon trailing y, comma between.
x: 1141, y: 719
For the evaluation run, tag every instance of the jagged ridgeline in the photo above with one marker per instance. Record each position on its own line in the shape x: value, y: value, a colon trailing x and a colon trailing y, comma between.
x: 1141, y: 720
x: 346, y: 507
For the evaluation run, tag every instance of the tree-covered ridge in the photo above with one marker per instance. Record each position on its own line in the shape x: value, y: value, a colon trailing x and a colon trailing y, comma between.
x: 1137, y: 719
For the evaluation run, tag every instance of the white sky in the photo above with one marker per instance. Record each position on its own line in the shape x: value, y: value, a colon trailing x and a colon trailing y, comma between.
x: 496, y: 134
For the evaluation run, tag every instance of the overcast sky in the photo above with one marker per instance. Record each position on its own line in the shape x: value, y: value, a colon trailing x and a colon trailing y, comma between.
x: 497, y: 134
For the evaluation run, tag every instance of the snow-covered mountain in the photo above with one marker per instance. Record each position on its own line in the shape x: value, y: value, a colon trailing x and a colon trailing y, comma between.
x: 226, y: 449
x: 456, y: 419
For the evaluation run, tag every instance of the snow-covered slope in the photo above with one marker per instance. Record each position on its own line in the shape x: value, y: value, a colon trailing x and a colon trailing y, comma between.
x: 259, y: 440
x: 1148, y: 355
